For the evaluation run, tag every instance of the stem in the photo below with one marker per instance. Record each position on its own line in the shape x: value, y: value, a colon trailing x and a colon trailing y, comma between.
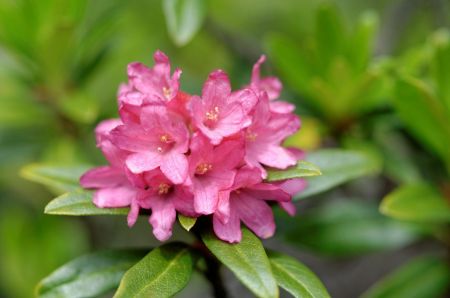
x: 212, y: 272
x: 213, y: 275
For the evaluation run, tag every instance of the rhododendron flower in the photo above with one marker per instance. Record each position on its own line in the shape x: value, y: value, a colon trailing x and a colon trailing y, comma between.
x: 164, y: 199
x: 272, y: 86
x: 246, y: 201
x: 113, y: 189
x: 172, y: 152
x: 211, y: 169
x: 220, y: 113
x: 160, y: 140
x: 265, y: 135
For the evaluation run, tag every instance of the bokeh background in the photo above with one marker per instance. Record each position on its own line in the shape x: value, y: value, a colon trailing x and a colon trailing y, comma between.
x: 353, y: 68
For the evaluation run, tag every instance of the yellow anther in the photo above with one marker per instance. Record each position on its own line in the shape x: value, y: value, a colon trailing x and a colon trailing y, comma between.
x: 159, y: 149
x: 213, y: 114
x: 165, y: 138
x: 163, y: 188
x: 167, y: 92
x: 203, y: 168
x: 251, y: 136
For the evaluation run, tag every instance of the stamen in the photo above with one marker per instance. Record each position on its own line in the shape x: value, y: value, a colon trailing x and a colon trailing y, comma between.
x: 203, y: 168
x: 167, y: 92
x: 163, y: 189
x: 213, y: 115
x: 251, y: 136
x: 165, y: 138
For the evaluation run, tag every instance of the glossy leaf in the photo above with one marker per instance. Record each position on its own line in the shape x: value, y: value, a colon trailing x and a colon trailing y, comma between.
x: 416, y: 202
x: 58, y: 178
x: 89, y: 275
x: 337, y: 167
x: 422, y: 277
x: 345, y: 228
x: 302, y: 169
x: 414, y: 100
x: 247, y: 260
x: 162, y: 273
x: 186, y: 222
x: 79, y: 203
x: 295, y: 277
x: 183, y: 18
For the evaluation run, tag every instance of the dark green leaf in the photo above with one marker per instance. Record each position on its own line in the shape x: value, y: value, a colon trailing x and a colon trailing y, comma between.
x: 295, y: 277
x: 302, y: 169
x: 60, y: 179
x: 337, y: 167
x: 416, y: 202
x: 187, y: 222
x: 248, y: 261
x: 184, y: 18
x: 162, y: 273
x: 345, y: 228
x: 79, y: 203
x: 89, y: 275
x: 422, y: 277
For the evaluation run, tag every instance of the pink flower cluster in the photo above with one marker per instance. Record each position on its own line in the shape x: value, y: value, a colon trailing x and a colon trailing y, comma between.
x: 196, y: 155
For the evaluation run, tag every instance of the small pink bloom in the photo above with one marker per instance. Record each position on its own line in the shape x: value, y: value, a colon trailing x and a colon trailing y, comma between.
x: 212, y: 169
x: 147, y: 86
x: 265, y: 135
x: 246, y: 201
x: 160, y: 140
x: 272, y: 86
x: 220, y: 113
x: 164, y: 199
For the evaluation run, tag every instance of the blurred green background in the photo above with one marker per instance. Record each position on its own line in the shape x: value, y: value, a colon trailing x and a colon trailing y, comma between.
x: 366, y: 75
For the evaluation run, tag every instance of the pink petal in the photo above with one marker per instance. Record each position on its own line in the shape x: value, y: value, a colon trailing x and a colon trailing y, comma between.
x: 246, y: 98
x: 183, y: 200
x: 175, y: 167
x: 223, y: 206
x: 230, y: 231
x: 268, y: 191
x: 255, y: 214
x: 114, y: 197
x: 272, y: 86
x: 133, y: 138
x: 229, y: 154
x: 102, y: 177
x: 281, y: 107
x: 299, y: 154
x: 105, y: 127
x: 216, y: 88
x: 246, y: 177
x: 293, y: 186
x: 113, y: 154
x: 276, y: 157
x: 289, y: 207
x: 145, y: 161
x: 162, y: 219
x: 205, y: 196
x: 133, y: 214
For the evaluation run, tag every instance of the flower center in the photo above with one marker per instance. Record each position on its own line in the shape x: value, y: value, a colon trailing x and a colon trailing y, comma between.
x: 167, y: 92
x: 203, y: 168
x: 163, y: 188
x: 251, y: 136
x: 212, y: 115
x: 165, y: 142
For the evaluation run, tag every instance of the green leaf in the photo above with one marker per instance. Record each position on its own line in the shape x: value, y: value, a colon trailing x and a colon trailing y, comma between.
x: 79, y: 203
x: 60, y: 179
x: 416, y: 202
x: 337, y: 167
x: 295, y: 277
x: 90, y: 275
x: 187, y: 222
x: 414, y: 100
x: 346, y: 228
x: 183, y: 18
x: 248, y: 261
x: 441, y: 65
x: 302, y: 169
x: 422, y: 277
x: 162, y: 273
